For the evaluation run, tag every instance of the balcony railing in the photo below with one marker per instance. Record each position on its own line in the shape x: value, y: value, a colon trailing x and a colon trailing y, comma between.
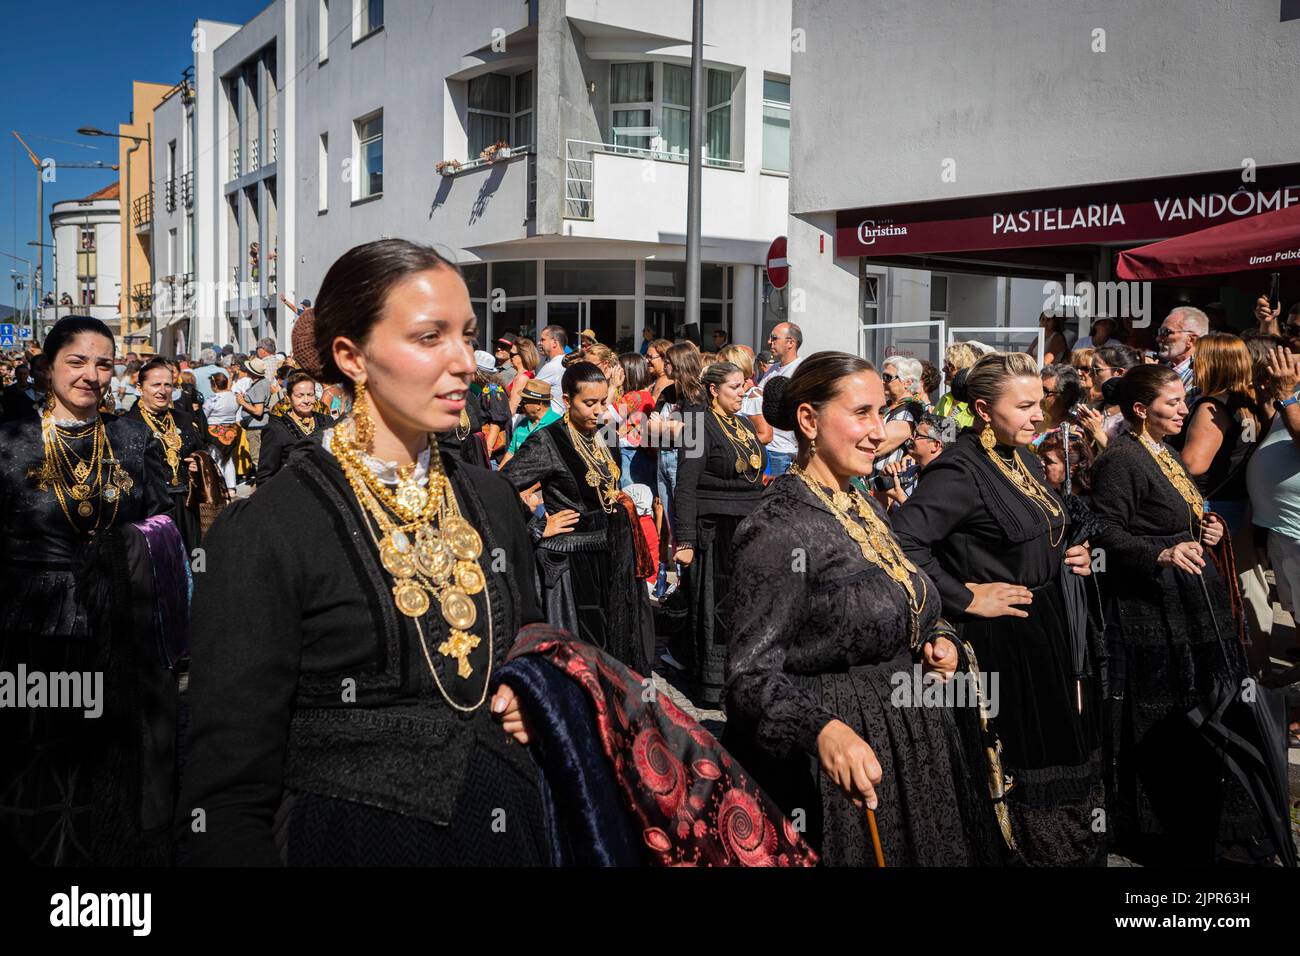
x: 580, y: 170
x: 142, y: 212
x: 235, y: 172
x: 187, y: 190
x: 142, y: 294
x: 169, y: 195
x: 254, y: 150
x: 275, y: 144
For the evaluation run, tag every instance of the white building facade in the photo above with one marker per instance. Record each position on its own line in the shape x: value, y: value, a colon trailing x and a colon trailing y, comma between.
x: 319, y: 125
x: 87, y: 258
x: 952, y: 187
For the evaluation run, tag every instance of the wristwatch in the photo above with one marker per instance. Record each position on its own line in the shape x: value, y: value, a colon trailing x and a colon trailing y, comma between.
x: 1280, y: 404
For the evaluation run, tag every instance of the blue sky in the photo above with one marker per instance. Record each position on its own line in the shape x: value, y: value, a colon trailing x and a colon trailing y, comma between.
x: 70, y: 63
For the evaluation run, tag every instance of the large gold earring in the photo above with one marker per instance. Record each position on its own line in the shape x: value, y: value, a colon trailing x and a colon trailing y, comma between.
x: 812, y: 448
x: 363, y: 426
x: 987, y: 438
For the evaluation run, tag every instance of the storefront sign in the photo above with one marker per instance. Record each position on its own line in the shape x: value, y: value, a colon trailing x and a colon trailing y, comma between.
x: 1139, y: 211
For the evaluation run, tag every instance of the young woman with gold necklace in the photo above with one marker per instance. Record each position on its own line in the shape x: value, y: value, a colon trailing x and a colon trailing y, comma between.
x: 176, y: 440
x: 76, y: 791
x: 827, y: 618
x: 1172, y: 801
x: 587, y: 546
x: 718, y: 485
x: 984, y: 525
x: 354, y: 716
x: 300, y: 422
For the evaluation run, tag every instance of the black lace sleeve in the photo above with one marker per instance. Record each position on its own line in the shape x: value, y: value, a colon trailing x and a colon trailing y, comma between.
x: 764, y: 625
x: 942, y: 500
x: 1118, y: 489
x: 535, y: 461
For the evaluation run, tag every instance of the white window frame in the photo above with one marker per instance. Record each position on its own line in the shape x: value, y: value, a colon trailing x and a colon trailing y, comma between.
x: 656, y: 106
x: 471, y: 153
x: 361, y: 26
x: 776, y: 104
x: 528, y: 110
x: 947, y: 296
x: 975, y: 331
x: 360, y: 174
x: 322, y: 172
x: 943, y: 341
x: 323, y: 32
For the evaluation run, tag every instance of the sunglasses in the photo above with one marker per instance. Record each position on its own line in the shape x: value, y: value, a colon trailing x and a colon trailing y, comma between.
x: 910, y: 444
x: 1164, y: 333
x: 888, y: 377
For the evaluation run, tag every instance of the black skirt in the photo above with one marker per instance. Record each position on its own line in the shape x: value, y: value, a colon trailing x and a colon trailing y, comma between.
x: 708, y: 580
x: 1051, y: 749
x: 499, y: 820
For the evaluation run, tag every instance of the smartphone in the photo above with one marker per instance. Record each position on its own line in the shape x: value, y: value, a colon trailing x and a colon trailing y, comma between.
x: 1275, y: 292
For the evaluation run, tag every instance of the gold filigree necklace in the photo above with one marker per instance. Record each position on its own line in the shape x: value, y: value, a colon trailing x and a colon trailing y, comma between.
x: 602, y: 472
x: 1176, y: 476
x: 166, y: 432
x: 749, y: 461
x: 1023, y: 480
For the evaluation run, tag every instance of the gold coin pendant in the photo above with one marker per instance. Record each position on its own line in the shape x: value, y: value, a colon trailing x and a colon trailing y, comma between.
x: 411, y: 599
x: 458, y: 609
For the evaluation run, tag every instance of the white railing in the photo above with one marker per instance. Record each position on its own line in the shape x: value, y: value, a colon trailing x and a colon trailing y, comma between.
x: 254, y: 150
x: 580, y: 169
x: 275, y: 143
x: 234, y: 163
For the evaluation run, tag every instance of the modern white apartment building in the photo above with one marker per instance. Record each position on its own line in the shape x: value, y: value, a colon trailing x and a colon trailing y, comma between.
x: 331, y: 118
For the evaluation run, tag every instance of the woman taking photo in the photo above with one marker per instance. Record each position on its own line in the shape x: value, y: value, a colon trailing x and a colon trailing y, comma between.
x: 717, y: 487
x: 1103, y: 421
x: 78, y: 791
x: 358, y: 722
x: 1062, y: 391
x: 300, y: 422
x: 176, y: 440
x: 590, y: 555
x: 832, y: 612
x: 1224, y: 426
x: 983, y: 524
x: 1172, y: 798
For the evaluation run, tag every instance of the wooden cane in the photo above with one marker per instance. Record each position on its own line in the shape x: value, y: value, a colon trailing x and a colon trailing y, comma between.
x: 875, y: 838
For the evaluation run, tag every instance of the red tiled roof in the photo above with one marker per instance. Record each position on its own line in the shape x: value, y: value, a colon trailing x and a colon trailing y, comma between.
x: 111, y: 191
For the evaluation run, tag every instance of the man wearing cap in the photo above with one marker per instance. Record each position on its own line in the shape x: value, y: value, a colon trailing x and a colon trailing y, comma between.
x: 535, y: 403
x: 254, y: 402
x: 587, y: 339
x: 505, y: 368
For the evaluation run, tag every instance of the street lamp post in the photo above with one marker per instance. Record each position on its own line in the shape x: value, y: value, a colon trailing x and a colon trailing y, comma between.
x: 147, y: 139
x: 17, y: 276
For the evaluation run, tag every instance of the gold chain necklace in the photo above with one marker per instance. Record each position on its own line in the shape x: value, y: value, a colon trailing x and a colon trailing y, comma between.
x: 1023, y: 480
x: 748, y: 460
x: 57, y: 465
x: 432, y: 553
x: 166, y: 432
x: 306, y: 429
x: 876, y: 542
x: 602, y: 473
x: 1176, y: 476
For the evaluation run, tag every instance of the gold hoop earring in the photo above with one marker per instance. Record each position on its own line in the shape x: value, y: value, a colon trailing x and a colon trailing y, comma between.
x: 363, y: 426
x: 987, y: 438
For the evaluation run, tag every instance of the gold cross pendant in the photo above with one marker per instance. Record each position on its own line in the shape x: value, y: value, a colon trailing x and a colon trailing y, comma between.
x: 458, y: 645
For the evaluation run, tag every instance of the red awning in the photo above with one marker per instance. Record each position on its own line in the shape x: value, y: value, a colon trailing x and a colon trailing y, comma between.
x: 1269, y: 241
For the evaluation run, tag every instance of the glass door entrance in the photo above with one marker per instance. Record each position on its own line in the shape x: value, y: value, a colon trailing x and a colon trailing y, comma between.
x: 613, y: 320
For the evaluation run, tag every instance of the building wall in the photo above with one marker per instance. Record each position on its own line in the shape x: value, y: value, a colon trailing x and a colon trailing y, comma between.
x: 135, y: 184
x: 66, y: 220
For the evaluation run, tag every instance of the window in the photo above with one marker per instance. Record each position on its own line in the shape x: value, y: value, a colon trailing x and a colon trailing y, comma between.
x: 367, y: 17
x: 591, y: 277
x: 635, y: 104
x: 500, y: 109
x: 369, y: 173
x: 87, y: 239
x: 323, y: 173
x: 938, y: 296
x: 86, y: 289
x: 323, y: 32
x: 523, y: 110
x: 173, y: 255
x: 776, y: 125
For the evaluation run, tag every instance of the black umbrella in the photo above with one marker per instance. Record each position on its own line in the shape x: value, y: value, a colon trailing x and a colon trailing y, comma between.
x: 1074, y: 588
x: 1249, y: 736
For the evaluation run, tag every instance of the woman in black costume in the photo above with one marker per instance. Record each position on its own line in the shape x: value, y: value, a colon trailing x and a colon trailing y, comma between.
x: 1172, y: 799
x: 300, y: 422
x: 984, y: 525
x: 718, y: 485
x: 587, y: 558
x: 74, y: 790
x: 834, y: 623
x: 176, y: 438
x: 360, y: 721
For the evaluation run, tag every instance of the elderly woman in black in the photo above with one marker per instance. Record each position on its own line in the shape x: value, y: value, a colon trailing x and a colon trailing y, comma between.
x: 352, y: 721
x: 829, y: 620
x: 985, y: 526
x: 587, y: 545
x: 300, y: 422
x: 718, y: 485
x: 1172, y: 799
x: 88, y: 782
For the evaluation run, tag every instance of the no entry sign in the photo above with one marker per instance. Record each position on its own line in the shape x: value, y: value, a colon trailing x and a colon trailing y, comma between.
x: 778, y: 268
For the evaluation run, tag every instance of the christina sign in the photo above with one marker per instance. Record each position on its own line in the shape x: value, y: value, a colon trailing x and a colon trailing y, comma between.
x: 1116, y: 212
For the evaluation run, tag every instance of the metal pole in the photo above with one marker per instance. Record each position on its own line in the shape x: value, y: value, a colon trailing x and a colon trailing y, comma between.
x: 125, y: 325
x: 693, y: 168
x: 40, y: 240
x: 153, y: 245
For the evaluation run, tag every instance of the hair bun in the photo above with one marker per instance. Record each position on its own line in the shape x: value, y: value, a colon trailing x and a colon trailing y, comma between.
x: 1110, y: 390
x: 305, y: 352
x: 775, y: 408
x: 958, y: 386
